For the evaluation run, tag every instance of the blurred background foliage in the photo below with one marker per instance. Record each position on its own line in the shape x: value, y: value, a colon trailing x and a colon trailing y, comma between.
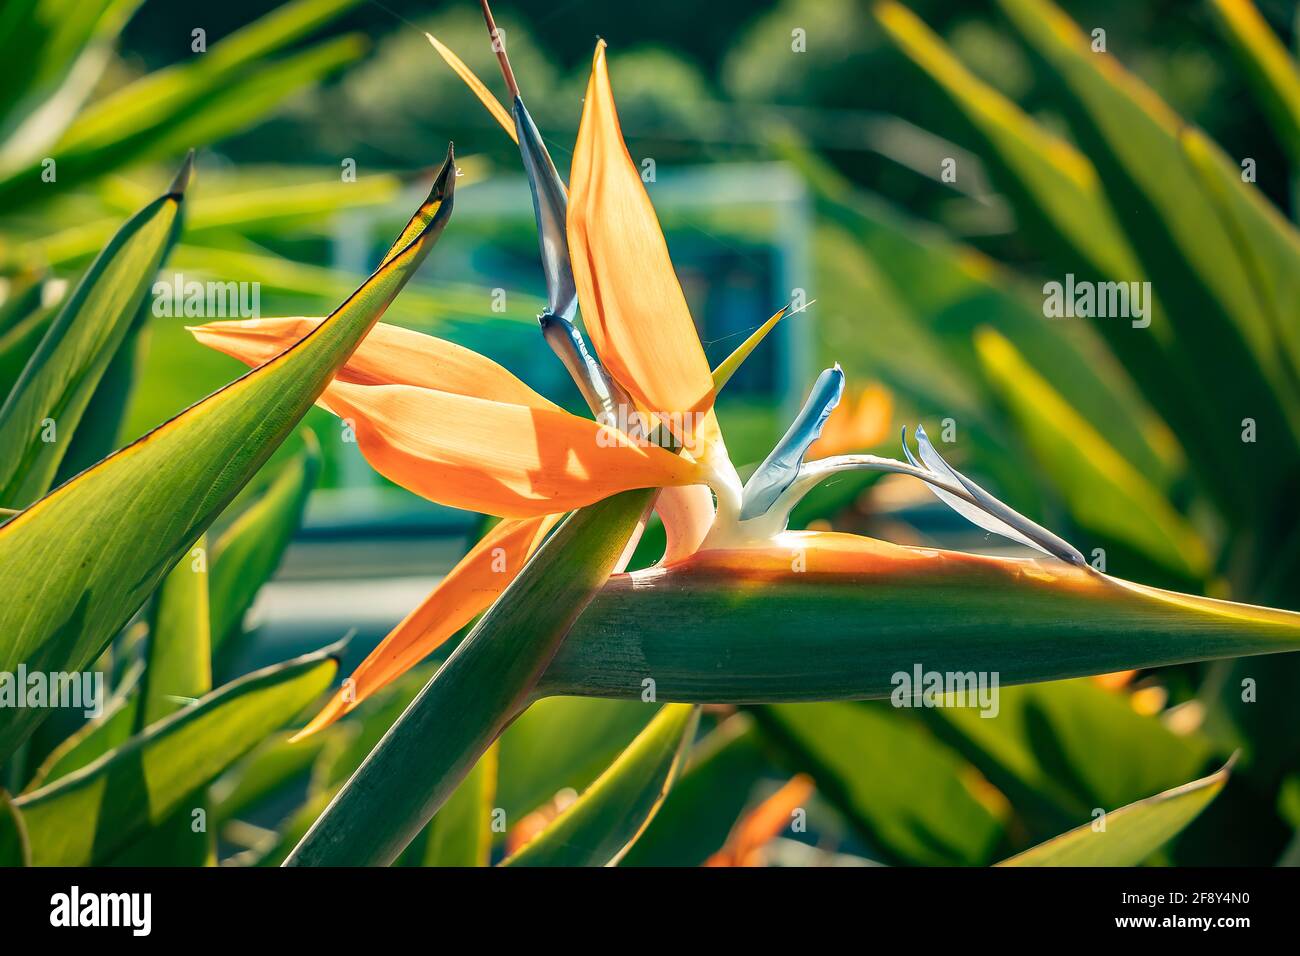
x: 777, y: 172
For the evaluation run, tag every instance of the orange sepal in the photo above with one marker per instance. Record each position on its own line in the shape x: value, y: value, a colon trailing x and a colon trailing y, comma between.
x: 388, y: 355
x: 467, y: 590
x: 497, y: 458
x: 763, y: 824
x: 631, y: 300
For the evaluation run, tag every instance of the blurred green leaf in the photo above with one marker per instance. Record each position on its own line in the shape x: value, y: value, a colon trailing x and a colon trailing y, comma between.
x: 246, y: 554
x: 949, y: 291
x: 178, y: 664
x: 178, y: 671
x: 18, y: 343
x: 1209, y: 296
x: 42, y: 42
x: 265, y: 772
x: 598, y: 828
x: 711, y: 795
x: 47, y: 402
x: 1058, y: 750
x: 89, y: 816
x: 217, y: 92
x: 97, y: 737
x: 908, y: 794
x: 1131, y: 833
x: 1058, y: 194
x: 15, y: 850
x: 958, y: 290
x: 1107, y: 495
x: 1271, y: 70
x: 563, y: 742
x: 1267, y: 245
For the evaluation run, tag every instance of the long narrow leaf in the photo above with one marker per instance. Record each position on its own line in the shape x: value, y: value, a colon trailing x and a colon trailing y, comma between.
x: 247, y: 552
x: 45, y: 405
x: 76, y: 565
x: 1127, y: 836
x: 89, y: 816
x: 600, y: 826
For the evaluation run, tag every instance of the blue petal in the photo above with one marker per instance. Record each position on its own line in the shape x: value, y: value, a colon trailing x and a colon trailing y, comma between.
x: 781, y: 467
x: 550, y: 205
x: 989, y: 513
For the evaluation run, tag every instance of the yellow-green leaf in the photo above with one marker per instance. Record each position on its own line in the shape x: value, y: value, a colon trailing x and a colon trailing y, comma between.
x: 1127, y: 836
x: 46, y: 403
x: 600, y: 826
x: 89, y: 816
x: 77, y: 564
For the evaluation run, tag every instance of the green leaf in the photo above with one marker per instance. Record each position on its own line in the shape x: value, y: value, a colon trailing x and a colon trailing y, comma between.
x: 89, y: 816
x: 97, y: 737
x: 704, y: 805
x: 946, y: 291
x: 15, y: 850
x: 230, y: 216
x: 245, y: 100
x: 45, y: 405
x: 1058, y: 194
x: 248, y: 551
x: 99, y: 433
x: 18, y: 343
x: 1059, y: 749
x: 563, y: 742
x: 721, y: 630
x: 44, y: 45
x: 483, y: 685
x: 906, y: 792
x: 1107, y: 495
x: 263, y: 774
x: 1132, y: 833
x: 1048, y: 180
x: 179, y: 656
x: 178, y: 670
x: 598, y: 828
x: 1269, y: 68
x: 460, y: 834
x: 1209, y: 295
x: 81, y: 561
x: 195, y: 101
x: 1267, y: 244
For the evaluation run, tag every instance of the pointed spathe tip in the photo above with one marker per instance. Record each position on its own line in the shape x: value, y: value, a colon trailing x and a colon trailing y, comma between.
x: 447, y: 171
x: 183, y: 176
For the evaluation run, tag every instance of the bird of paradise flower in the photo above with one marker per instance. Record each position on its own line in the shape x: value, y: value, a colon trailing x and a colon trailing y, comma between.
x: 459, y: 429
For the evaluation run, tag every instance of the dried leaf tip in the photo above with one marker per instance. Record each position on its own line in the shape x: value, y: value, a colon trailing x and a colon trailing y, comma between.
x: 499, y: 48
